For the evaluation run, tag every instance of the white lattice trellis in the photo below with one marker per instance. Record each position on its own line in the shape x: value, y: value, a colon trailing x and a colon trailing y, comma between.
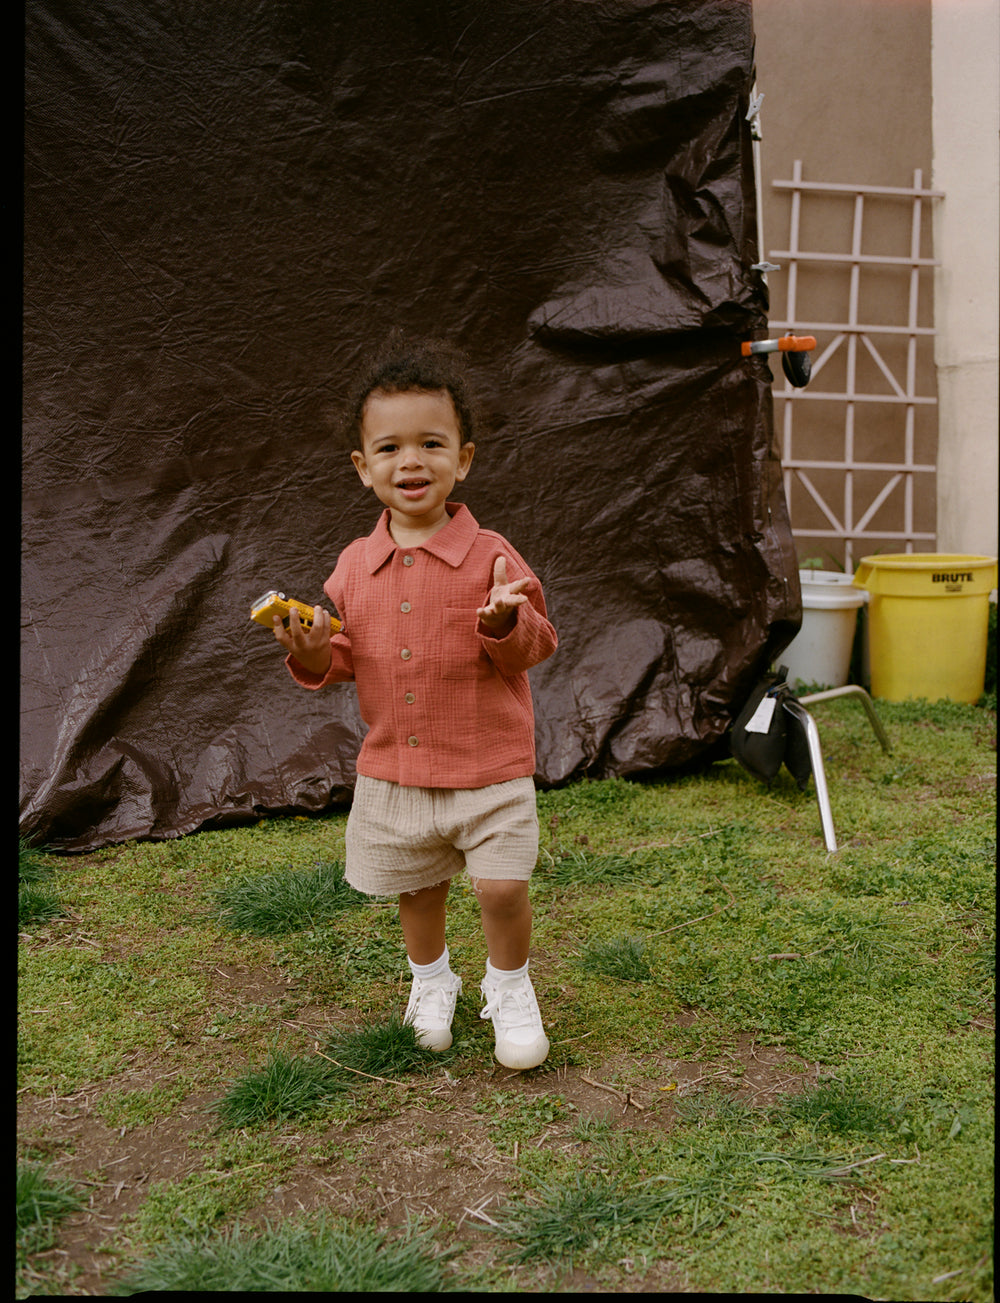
x: 849, y: 519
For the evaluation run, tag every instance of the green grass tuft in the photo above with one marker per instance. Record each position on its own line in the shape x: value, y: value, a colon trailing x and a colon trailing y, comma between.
x: 37, y: 901
x: 623, y: 958
x: 40, y: 1203
x: 840, y: 1108
x: 283, y: 901
x: 33, y: 864
x: 289, y: 1086
x: 563, y: 1222
x: 704, y: 1187
x: 297, y: 1256
x: 383, y: 1049
x: 285, y: 1087
x: 579, y: 868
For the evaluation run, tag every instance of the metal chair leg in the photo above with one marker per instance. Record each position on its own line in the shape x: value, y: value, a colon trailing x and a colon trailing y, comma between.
x: 794, y: 707
x: 852, y: 690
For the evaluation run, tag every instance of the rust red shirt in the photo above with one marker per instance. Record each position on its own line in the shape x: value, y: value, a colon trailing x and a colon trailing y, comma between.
x: 446, y: 703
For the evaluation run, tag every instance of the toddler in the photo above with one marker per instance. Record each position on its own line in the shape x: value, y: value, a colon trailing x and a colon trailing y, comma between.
x: 442, y: 620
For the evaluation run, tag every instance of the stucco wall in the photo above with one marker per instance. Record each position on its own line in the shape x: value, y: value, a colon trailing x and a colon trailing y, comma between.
x: 865, y: 92
x: 966, y: 101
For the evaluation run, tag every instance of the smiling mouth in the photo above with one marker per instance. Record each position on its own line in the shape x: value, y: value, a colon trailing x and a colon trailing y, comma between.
x: 412, y: 484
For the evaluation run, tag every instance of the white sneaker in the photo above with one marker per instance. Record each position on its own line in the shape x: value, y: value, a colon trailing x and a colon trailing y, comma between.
x: 521, y: 1040
x: 431, y: 1008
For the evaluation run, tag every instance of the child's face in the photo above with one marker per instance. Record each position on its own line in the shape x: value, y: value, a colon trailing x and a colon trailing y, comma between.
x: 412, y: 456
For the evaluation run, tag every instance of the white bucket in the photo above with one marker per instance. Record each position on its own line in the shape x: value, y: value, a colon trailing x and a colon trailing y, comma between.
x: 820, y: 653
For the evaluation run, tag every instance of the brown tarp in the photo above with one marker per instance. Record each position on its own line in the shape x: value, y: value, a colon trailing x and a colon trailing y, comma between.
x: 225, y: 204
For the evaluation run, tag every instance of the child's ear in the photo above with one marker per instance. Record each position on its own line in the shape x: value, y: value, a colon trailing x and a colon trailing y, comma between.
x: 361, y: 466
x: 465, y: 456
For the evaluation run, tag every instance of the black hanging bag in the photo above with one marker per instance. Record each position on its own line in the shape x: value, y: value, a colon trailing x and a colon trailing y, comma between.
x: 765, y: 735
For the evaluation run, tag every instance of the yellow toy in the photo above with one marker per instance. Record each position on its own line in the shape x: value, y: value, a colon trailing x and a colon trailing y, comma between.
x: 273, y: 603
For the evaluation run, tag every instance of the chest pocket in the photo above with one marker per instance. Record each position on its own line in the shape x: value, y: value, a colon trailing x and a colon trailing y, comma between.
x: 462, y: 656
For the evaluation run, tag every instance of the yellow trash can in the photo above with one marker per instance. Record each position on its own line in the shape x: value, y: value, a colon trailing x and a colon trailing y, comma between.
x: 928, y: 614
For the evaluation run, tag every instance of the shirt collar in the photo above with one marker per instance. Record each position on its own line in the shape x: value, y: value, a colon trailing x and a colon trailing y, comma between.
x: 451, y: 544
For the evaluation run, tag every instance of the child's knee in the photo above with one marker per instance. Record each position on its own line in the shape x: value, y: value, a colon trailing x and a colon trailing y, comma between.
x: 501, y: 895
x: 425, y: 898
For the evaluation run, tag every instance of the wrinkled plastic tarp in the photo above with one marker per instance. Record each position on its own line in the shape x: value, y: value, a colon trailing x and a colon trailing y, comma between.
x: 226, y: 204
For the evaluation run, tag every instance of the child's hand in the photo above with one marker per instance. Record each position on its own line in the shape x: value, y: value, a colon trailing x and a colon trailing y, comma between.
x: 500, y: 613
x: 310, y: 647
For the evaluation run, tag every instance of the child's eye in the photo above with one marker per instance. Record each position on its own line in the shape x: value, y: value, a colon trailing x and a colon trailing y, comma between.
x: 386, y: 447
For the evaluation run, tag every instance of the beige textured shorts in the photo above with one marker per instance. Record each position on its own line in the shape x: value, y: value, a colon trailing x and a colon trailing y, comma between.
x: 407, y: 838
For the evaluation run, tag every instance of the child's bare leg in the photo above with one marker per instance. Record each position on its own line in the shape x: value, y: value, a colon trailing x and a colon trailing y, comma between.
x: 506, y: 916
x: 422, y: 918
x: 435, y: 989
x: 507, y: 990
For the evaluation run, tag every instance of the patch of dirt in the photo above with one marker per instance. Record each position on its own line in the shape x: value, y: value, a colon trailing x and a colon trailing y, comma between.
x: 433, y: 1156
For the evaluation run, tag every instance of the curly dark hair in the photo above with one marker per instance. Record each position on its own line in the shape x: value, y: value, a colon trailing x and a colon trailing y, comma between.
x: 402, y: 364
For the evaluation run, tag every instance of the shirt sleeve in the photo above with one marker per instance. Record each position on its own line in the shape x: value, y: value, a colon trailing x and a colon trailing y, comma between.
x: 341, y: 658
x: 341, y: 665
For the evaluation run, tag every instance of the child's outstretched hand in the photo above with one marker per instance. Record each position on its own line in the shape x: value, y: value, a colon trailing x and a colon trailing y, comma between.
x: 500, y: 612
x: 310, y: 647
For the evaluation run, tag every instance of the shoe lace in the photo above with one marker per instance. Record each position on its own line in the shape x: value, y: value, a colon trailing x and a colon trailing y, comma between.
x: 432, y: 999
x: 513, y: 1006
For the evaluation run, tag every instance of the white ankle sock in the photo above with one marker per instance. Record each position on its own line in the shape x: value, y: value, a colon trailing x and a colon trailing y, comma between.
x: 499, y: 974
x: 439, y: 968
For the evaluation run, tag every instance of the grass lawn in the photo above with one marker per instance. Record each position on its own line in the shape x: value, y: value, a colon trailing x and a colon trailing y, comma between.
x: 771, y: 1067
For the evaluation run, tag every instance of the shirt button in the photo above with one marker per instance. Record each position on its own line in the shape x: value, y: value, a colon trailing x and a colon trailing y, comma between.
x: 413, y: 741
x: 407, y: 561
x: 409, y: 698
x: 406, y: 608
x: 406, y: 653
